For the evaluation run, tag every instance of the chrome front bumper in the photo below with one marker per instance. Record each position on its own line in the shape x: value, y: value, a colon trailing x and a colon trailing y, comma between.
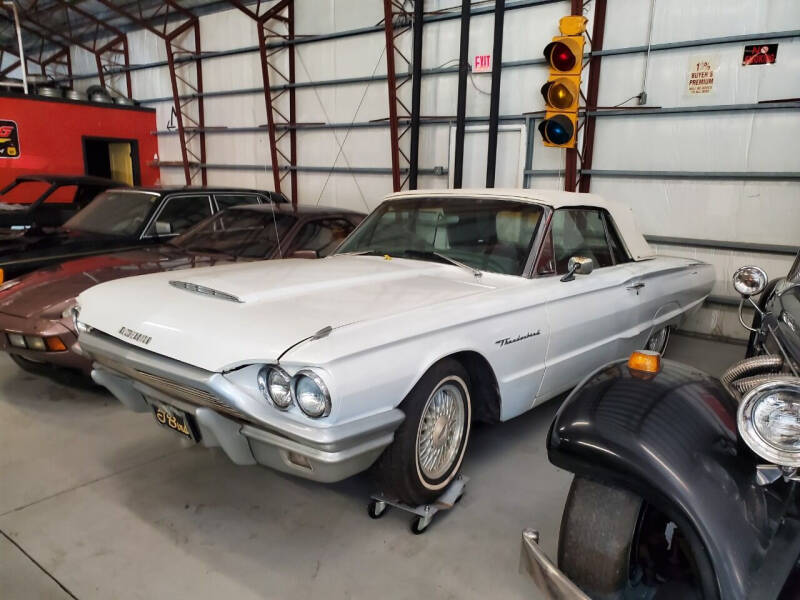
x: 139, y: 379
x: 552, y: 582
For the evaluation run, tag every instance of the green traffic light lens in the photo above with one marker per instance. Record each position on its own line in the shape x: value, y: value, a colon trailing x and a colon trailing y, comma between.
x: 558, y: 130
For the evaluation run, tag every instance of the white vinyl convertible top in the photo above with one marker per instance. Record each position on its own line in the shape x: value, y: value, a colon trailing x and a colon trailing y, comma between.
x: 622, y: 214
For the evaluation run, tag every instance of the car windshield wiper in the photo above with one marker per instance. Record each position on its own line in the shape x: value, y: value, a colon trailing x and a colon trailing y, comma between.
x: 427, y: 255
x: 371, y: 252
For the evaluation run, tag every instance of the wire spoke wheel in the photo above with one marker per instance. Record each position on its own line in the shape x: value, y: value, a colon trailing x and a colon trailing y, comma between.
x: 441, y: 431
x: 658, y: 341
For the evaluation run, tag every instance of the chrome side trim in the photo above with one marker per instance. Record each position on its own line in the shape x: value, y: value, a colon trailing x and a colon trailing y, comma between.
x: 205, y: 291
x: 552, y: 582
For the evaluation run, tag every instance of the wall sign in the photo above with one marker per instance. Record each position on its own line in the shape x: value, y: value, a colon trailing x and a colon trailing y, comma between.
x: 482, y: 63
x: 9, y: 139
x: 759, y: 54
x: 702, y: 70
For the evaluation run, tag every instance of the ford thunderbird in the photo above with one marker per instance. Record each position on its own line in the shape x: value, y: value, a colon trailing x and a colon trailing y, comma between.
x: 441, y: 308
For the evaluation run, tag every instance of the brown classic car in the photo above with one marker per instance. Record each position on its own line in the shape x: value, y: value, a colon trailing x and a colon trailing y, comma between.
x: 36, y: 324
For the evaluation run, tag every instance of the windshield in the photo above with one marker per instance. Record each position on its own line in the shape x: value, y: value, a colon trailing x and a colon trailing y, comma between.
x: 247, y: 233
x: 483, y: 233
x: 114, y: 213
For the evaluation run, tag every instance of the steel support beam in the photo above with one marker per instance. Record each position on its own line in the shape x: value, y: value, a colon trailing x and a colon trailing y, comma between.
x: 494, y: 101
x: 396, y: 21
x: 416, y: 93
x: 277, y: 23
x: 592, y: 90
x: 571, y: 158
x: 158, y: 19
x: 461, y: 108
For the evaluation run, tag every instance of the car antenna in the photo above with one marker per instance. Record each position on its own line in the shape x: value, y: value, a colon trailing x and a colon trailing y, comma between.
x: 324, y: 332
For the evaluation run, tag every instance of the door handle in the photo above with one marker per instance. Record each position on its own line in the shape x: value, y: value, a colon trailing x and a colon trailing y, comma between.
x: 636, y: 286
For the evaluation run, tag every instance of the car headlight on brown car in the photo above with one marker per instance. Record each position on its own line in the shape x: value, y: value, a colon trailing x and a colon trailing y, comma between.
x: 769, y: 422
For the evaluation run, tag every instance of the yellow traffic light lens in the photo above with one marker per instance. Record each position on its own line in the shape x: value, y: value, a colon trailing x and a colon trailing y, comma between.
x: 559, y: 95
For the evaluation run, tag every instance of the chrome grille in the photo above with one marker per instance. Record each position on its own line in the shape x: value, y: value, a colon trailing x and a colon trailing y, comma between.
x: 185, y: 392
x: 172, y: 388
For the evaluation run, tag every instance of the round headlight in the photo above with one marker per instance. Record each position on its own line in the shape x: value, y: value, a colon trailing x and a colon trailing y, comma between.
x: 274, y: 383
x: 311, y: 394
x: 749, y: 281
x: 769, y: 422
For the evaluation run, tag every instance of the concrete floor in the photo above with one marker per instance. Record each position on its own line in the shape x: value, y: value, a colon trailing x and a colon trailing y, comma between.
x: 97, y: 502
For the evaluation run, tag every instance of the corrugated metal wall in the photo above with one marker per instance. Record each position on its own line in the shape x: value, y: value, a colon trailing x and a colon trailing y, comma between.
x: 746, y: 141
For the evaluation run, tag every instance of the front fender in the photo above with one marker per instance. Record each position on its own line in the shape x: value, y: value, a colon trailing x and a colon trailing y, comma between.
x: 672, y: 438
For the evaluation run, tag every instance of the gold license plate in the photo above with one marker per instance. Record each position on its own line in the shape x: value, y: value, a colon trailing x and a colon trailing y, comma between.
x: 176, y: 420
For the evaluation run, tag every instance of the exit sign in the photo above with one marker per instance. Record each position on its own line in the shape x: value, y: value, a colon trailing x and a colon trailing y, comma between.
x: 482, y: 64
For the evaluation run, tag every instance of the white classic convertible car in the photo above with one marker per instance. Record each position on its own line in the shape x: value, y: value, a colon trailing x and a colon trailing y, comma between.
x: 440, y: 308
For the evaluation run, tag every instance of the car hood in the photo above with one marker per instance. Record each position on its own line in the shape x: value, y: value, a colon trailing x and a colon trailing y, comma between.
x: 268, y: 306
x: 45, y: 292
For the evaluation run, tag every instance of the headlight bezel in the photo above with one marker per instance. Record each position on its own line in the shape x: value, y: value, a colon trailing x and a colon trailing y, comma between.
x: 323, y: 388
x: 763, y: 447
x: 263, y: 383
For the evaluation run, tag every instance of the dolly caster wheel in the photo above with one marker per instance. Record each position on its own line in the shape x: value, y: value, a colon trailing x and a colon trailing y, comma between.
x: 376, y: 509
x: 420, y: 525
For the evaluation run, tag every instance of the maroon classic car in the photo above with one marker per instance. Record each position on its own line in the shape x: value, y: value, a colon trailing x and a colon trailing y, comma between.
x: 36, y: 324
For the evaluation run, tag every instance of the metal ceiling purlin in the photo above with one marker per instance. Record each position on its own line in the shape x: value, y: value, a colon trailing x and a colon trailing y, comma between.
x: 94, y: 30
x: 157, y: 19
x: 277, y: 22
x: 396, y: 21
x: 43, y: 54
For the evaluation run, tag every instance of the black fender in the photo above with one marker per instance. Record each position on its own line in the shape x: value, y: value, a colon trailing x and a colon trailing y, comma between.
x: 672, y: 438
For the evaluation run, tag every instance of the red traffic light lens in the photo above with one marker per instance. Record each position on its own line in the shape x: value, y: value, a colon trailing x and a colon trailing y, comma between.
x: 560, y: 56
x: 559, y: 94
x: 558, y: 130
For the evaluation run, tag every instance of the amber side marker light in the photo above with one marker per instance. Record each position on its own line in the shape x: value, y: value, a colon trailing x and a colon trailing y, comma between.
x: 54, y: 344
x: 2, y: 275
x: 645, y: 361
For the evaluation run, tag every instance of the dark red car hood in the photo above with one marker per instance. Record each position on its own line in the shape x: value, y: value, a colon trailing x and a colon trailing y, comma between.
x: 48, y: 289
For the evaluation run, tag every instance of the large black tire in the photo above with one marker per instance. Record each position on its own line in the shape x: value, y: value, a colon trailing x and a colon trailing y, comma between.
x: 613, y: 545
x: 594, y: 544
x: 398, y: 469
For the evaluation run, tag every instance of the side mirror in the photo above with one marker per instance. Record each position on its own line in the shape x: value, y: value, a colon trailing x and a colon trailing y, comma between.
x: 304, y: 254
x: 579, y: 265
x: 163, y: 228
x: 749, y: 281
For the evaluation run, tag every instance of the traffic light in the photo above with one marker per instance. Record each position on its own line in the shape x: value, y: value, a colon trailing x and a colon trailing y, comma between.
x: 564, y: 56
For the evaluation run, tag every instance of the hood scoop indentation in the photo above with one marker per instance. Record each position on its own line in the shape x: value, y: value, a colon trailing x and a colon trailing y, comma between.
x: 205, y: 291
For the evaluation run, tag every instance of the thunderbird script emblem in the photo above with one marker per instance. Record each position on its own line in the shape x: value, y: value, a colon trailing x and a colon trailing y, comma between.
x: 519, y: 338
x: 135, y: 335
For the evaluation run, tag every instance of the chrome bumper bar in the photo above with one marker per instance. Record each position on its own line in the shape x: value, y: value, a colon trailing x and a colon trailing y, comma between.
x: 552, y: 582
x: 139, y: 379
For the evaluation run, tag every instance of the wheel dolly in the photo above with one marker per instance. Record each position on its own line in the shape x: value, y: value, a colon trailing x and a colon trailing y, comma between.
x: 379, y: 504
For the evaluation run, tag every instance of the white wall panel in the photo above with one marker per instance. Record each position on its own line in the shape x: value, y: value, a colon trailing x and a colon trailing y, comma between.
x: 744, y: 211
